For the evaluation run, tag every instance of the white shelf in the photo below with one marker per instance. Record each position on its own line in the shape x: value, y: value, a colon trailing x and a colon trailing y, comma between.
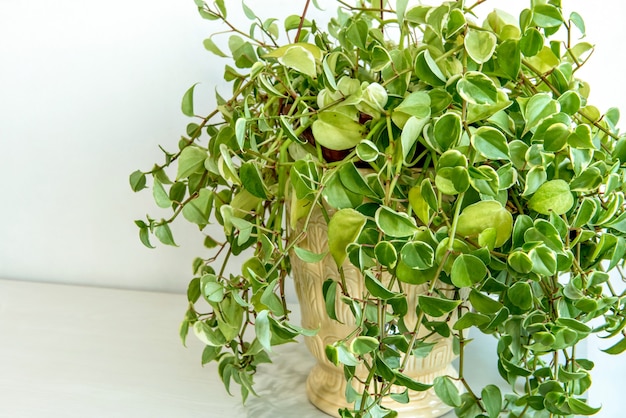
x: 70, y: 351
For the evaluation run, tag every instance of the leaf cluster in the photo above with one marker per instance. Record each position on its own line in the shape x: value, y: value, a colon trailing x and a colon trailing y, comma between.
x: 442, y: 151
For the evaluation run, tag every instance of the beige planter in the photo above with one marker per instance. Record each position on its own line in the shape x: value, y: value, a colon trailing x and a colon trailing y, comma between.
x: 326, y: 384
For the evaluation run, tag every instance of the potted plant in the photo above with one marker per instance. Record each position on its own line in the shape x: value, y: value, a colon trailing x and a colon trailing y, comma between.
x: 450, y: 171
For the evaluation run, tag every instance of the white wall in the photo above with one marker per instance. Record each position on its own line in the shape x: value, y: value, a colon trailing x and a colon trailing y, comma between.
x: 88, y: 90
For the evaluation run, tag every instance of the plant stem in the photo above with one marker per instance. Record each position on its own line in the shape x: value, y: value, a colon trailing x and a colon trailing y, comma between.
x: 302, y: 18
x: 473, y: 6
x: 462, y: 367
x: 558, y: 93
x: 455, y: 221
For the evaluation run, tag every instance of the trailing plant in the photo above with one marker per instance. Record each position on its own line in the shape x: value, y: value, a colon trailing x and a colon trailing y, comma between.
x: 441, y: 150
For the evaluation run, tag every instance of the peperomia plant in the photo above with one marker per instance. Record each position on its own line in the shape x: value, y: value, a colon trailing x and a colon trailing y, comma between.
x: 441, y: 150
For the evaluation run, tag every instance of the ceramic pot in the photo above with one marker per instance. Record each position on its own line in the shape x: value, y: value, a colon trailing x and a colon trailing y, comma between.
x: 326, y: 385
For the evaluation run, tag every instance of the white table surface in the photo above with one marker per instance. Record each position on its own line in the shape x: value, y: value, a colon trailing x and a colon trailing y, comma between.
x: 70, y: 351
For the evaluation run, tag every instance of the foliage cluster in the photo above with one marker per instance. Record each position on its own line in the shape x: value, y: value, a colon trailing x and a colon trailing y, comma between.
x: 450, y: 152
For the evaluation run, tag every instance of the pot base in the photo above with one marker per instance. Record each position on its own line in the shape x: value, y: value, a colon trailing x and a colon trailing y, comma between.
x: 326, y: 388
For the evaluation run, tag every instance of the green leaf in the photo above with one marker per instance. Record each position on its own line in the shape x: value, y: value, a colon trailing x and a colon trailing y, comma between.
x: 197, y: 210
x: 581, y: 138
x: 479, y: 112
x: 535, y: 178
x: 394, y: 224
x: 178, y: 191
x: 482, y: 215
x: 208, y: 335
x: 476, y: 88
x: 137, y: 181
x: 509, y: 58
x: 417, y: 255
x: 575, y: 325
x: 386, y: 254
x: 471, y: 319
x: 521, y: 295
x: 380, y: 59
x: 144, y: 236
x: 440, y: 99
x: 308, y: 256
x: 345, y: 357
x: 428, y: 193
x: 544, y: 61
x: 329, y: 290
x: 435, y: 306
x: 343, y: 229
x: 191, y: 161
x: 456, y: 22
x: 483, y: 303
x: 263, y: 331
x: 480, y: 45
x: 419, y: 204
x: 242, y: 51
x: 507, y: 176
x: 492, y: 400
x: 336, y: 131
x: 338, y: 196
x: 544, y: 232
x: 467, y: 270
x: 555, y: 137
x: 427, y: 70
x: 376, y: 288
x: 210, y: 353
x: 485, y: 180
x: 585, y: 213
x: 520, y: 262
x: 570, y: 102
x: 578, y: 21
x: 222, y: 7
x: 618, y: 348
x: 300, y: 59
x: 544, y: 260
x: 363, y: 344
x: 547, y: 16
x: 411, y: 384
x: 588, y: 181
x: 552, y: 196
x: 252, y: 179
x: 447, y: 391
x: 357, y: 33
x: 164, y: 234
x: 383, y: 369
x: 367, y: 151
x: 248, y: 12
x: 447, y: 130
x: 304, y: 178
x: 187, y: 104
x: 410, y: 134
x: 332, y: 354
x: 240, y: 132
x: 539, y: 107
x: 581, y: 407
x: 452, y: 180
x: 401, y: 6
x: 352, y: 179
x: 213, y: 292
x: 532, y: 42
x: 193, y: 290
x: 210, y: 46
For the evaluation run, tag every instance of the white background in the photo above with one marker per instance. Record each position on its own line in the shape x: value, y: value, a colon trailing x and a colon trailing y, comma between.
x: 87, y: 91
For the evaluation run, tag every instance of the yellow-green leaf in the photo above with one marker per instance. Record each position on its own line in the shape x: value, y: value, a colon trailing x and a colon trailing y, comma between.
x: 482, y: 215
x: 336, y: 131
x: 552, y: 196
x: 343, y: 229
